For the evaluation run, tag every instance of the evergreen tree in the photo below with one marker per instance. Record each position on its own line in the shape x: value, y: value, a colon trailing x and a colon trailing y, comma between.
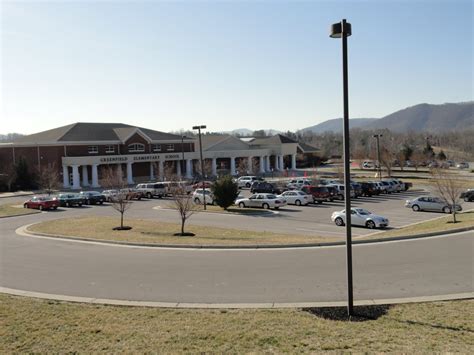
x: 428, y: 150
x: 24, y: 179
x: 441, y: 155
x: 225, y: 191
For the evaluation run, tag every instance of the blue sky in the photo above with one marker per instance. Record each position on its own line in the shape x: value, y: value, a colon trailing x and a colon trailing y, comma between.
x: 227, y: 64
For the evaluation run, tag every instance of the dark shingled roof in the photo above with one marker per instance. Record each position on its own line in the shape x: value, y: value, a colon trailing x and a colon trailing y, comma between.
x: 88, y: 132
x: 306, y: 148
x: 276, y: 139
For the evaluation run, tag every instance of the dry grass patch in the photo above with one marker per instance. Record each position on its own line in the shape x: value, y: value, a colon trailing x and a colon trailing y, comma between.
x: 445, y: 223
x: 41, y: 326
x: 147, y: 231
x: 15, y: 210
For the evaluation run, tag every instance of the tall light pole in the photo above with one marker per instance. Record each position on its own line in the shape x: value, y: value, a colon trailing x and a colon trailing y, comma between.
x: 343, y: 30
x: 377, y: 136
x: 202, y: 162
x: 182, y: 154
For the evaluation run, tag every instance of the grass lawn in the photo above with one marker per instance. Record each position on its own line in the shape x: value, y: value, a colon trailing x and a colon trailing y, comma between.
x: 444, y: 223
x: 147, y: 231
x: 14, y: 210
x: 42, y: 326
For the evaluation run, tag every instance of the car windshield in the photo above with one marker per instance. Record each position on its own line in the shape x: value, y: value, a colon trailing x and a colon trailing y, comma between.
x: 363, y: 212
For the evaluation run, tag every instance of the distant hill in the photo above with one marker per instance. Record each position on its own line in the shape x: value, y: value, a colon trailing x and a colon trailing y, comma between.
x: 429, y: 118
x: 248, y: 132
x: 418, y: 118
x: 335, y: 125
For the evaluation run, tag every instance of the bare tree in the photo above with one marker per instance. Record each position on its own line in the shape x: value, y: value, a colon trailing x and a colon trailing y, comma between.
x: 48, y: 178
x: 183, y: 202
x: 119, y: 200
x: 448, y: 187
x: 243, y: 167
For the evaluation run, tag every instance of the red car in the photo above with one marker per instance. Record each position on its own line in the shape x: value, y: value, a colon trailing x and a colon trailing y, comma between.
x: 207, y: 185
x: 319, y: 193
x: 42, y: 203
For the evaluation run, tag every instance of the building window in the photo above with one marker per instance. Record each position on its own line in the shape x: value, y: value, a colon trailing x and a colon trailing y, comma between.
x: 93, y: 149
x: 136, y: 147
x: 110, y: 149
x: 157, y: 147
x: 170, y: 147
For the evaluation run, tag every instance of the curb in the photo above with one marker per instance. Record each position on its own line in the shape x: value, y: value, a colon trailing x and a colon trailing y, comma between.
x: 266, y: 305
x: 256, y: 213
x: 24, y: 230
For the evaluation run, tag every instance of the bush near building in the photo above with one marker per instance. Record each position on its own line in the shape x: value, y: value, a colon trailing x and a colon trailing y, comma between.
x: 225, y: 191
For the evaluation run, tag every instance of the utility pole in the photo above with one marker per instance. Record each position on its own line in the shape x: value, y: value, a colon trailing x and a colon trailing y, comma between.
x: 202, y: 162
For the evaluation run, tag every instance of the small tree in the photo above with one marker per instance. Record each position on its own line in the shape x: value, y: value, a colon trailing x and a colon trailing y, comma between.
x: 119, y: 201
x: 24, y: 178
x: 48, y: 178
x: 448, y: 187
x: 183, y: 202
x: 441, y: 156
x: 225, y: 191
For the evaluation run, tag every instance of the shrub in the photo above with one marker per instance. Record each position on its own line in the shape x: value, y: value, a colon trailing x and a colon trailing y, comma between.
x: 225, y: 191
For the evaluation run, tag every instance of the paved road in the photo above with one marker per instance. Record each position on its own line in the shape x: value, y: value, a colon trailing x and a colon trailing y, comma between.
x: 441, y: 265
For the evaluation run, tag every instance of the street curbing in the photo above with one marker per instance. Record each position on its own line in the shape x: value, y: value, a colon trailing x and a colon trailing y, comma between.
x: 256, y: 213
x: 265, y: 305
x: 25, y: 232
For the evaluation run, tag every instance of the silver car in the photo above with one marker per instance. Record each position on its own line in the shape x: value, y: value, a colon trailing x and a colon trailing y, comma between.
x: 261, y: 200
x: 430, y: 203
x: 360, y: 217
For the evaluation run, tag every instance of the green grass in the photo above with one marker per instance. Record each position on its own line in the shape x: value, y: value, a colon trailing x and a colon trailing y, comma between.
x: 42, y: 326
x: 15, y: 210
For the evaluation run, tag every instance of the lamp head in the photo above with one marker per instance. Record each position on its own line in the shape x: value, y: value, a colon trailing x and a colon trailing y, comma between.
x: 341, y: 28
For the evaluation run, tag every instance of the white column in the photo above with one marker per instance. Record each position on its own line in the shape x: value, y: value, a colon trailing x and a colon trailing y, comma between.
x: 85, y: 176
x: 178, y: 167
x: 262, y: 164
x: 95, y: 176
x: 281, y: 166
x: 66, y: 177
x: 268, y: 165
x: 76, y: 179
x: 119, y: 172
x: 214, y: 166
x: 249, y: 164
x: 152, y: 171
x: 277, y: 163
x: 293, y: 161
x: 189, y: 169
x: 161, y: 167
x: 129, y: 173
x: 232, y: 166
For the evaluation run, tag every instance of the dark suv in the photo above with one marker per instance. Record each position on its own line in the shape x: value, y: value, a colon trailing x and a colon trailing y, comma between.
x: 319, y: 193
x: 468, y: 196
x: 92, y: 197
x: 264, y: 187
x: 368, y: 189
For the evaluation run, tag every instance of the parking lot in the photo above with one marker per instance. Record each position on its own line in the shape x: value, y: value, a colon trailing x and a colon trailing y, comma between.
x: 313, y: 219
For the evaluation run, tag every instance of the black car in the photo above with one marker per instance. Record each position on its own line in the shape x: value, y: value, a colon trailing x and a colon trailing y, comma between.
x: 92, y: 197
x: 468, y: 196
x: 368, y: 189
x: 264, y: 187
x: 69, y: 200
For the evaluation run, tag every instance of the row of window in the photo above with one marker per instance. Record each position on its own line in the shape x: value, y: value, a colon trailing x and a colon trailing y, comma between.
x: 132, y: 148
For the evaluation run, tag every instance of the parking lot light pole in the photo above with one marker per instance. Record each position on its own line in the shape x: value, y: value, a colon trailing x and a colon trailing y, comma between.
x: 343, y: 30
x: 202, y: 162
x: 377, y: 136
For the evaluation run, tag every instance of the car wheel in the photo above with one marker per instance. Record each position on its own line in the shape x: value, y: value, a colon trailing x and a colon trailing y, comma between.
x: 446, y: 209
x: 101, y: 202
x: 79, y: 204
x: 214, y: 203
x: 339, y: 222
x: 88, y: 202
x: 340, y: 197
x: 415, y: 208
x: 370, y: 224
x: 320, y: 202
x: 247, y: 185
x: 266, y: 206
x: 67, y: 204
x: 298, y: 203
x: 241, y: 205
x: 40, y: 207
x: 55, y: 207
x: 25, y: 205
x: 466, y: 199
x: 149, y: 195
x: 197, y: 201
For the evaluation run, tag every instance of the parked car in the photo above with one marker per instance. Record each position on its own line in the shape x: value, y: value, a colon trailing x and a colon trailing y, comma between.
x: 431, y: 203
x: 468, y: 196
x: 264, y: 187
x: 42, y: 203
x: 153, y: 189
x: 132, y: 194
x: 319, y: 193
x: 261, y: 200
x: 246, y: 181
x: 340, y: 191
x: 200, y: 195
x: 69, y: 199
x: 296, y: 197
x: 110, y: 194
x: 357, y: 189
x: 368, y: 189
x: 92, y: 197
x: 297, y: 184
x: 462, y: 165
x: 360, y: 217
x: 207, y: 185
